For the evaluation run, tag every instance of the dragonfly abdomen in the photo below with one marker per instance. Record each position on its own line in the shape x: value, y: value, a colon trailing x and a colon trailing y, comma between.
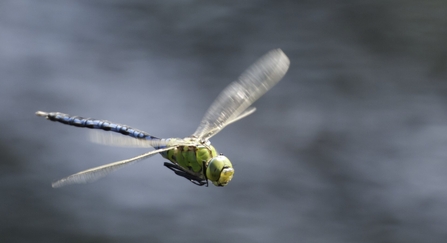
x: 105, y: 125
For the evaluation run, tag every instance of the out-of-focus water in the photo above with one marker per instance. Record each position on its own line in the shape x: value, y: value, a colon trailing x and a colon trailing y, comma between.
x: 350, y: 147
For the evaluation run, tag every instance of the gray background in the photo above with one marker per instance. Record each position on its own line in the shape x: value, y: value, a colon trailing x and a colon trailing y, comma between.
x: 351, y: 146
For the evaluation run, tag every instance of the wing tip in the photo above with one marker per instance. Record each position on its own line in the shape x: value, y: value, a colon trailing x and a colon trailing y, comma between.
x: 281, y: 56
x: 57, y: 184
x: 42, y: 113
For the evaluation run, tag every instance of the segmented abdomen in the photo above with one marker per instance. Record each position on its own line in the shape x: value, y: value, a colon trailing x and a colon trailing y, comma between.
x: 105, y: 125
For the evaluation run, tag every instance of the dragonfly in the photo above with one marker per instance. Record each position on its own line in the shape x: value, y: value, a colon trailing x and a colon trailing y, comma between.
x: 193, y: 157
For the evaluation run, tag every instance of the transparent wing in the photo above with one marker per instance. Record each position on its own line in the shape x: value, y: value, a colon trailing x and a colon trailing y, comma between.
x: 101, y: 171
x: 246, y: 113
x: 239, y: 95
x: 116, y: 139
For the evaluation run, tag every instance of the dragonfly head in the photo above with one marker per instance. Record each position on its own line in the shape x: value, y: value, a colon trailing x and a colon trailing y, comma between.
x: 220, y: 170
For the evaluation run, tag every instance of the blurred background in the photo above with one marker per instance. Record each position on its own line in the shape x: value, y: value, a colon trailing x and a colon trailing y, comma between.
x: 351, y: 146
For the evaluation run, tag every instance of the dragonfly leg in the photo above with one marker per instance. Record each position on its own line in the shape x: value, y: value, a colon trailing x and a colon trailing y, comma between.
x: 178, y: 170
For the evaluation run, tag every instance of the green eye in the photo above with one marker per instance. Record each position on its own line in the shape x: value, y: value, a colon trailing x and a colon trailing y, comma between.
x: 220, y: 170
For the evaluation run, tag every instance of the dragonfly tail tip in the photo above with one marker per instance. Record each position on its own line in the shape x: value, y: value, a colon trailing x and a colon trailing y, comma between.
x: 56, y: 184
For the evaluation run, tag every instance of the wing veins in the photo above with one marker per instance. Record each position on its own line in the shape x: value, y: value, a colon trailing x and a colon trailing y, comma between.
x: 116, y: 139
x: 239, y: 95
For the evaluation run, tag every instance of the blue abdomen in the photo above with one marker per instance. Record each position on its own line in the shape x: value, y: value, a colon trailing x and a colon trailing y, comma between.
x: 105, y: 125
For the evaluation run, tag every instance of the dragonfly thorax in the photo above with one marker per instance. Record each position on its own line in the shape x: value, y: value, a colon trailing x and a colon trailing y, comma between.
x: 200, y: 160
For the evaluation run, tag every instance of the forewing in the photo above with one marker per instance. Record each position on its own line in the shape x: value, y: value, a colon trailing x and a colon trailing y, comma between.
x: 244, y: 114
x: 239, y: 95
x: 96, y: 173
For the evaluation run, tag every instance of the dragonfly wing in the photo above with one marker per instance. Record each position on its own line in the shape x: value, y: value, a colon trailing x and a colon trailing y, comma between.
x: 115, y: 139
x: 246, y: 113
x: 101, y: 171
x: 239, y: 95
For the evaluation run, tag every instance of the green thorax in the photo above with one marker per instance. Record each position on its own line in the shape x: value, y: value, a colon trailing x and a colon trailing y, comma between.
x: 190, y: 157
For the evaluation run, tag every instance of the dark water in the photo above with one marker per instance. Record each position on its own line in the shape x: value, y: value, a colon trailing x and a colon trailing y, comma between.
x: 350, y: 147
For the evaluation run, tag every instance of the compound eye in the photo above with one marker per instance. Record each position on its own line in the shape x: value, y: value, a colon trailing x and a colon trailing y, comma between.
x: 219, y: 170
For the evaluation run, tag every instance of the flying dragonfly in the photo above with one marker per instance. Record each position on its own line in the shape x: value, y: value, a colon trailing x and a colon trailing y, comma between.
x: 193, y: 157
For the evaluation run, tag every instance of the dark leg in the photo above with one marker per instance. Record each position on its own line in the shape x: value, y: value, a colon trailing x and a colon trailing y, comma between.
x: 178, y: 170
